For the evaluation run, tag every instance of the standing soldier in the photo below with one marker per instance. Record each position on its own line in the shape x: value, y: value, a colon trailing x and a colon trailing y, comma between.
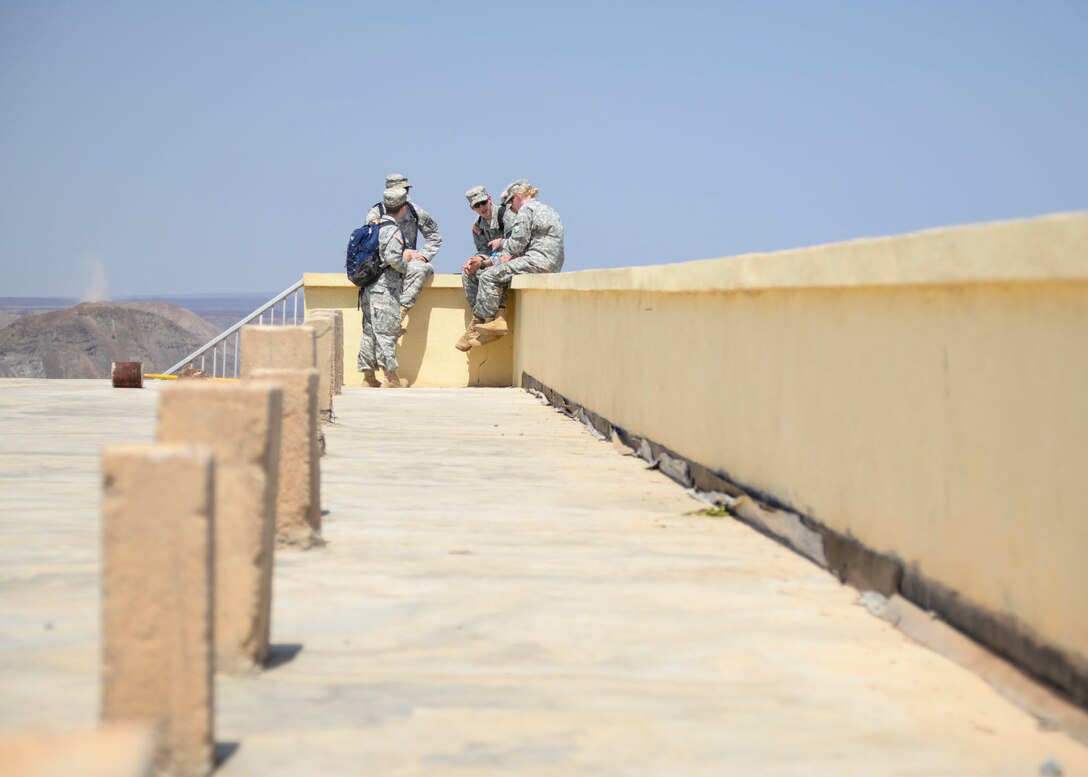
x: 416, y: 220
x: 491, y: 223
x: 535, y: 245
x: 381, y: 300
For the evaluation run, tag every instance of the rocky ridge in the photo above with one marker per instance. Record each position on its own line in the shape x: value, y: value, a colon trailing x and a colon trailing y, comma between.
x: 83, y: 341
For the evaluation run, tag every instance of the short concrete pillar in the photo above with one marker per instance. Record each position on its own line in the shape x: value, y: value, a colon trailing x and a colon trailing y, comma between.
x: 240, y: 422
x: 277, y: 347
x: 338, y: 318
x: 157, y: 564
x: 324, y: 341
x: 111, y: 750
x: 298, y: 496
x: 338, y: 359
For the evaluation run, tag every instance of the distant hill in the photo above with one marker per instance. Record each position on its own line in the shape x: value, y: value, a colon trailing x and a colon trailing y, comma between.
x: 6, y: 318
x: 222, y: 309
x: 82, y: 341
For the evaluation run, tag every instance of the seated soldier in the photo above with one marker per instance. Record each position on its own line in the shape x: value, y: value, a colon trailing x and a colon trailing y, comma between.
x: 535, y: 245
x: 490, y: 223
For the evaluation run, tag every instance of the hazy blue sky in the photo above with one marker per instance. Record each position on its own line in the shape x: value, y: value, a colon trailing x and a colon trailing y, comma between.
x: 174, y: 148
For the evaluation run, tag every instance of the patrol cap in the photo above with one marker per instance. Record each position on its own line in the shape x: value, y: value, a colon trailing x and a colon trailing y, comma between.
x: 476, y: 195
x: 396, y: 181
x: 508, y: 192
x: 394, y: 197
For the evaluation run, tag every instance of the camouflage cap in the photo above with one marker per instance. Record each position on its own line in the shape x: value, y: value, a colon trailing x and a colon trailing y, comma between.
x: 396, y: 180
x: 476, y: 195
x: 394, y: 197
x: 508, y: 192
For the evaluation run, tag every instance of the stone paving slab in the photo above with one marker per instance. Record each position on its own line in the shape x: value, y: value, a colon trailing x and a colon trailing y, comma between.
x: 501, y: 594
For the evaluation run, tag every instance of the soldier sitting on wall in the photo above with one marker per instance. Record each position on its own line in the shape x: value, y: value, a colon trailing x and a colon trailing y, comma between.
x: 535, y: 245
x: 490, y: 223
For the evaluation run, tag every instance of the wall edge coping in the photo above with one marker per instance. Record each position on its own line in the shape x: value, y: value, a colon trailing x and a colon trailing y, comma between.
x: 1044, y: 249
x: 313, y: 280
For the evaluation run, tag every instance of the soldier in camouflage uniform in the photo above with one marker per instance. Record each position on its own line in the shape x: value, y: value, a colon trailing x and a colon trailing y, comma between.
x: 381, y: 300
x: 535, y: 245
x: 416, y: 220
x: 491, y: 223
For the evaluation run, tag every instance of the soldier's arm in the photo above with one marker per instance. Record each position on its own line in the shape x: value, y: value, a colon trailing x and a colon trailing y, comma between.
x: 432, y: 238
x: 508, y: 219
x: 518, y: 240
x: 393, y: 250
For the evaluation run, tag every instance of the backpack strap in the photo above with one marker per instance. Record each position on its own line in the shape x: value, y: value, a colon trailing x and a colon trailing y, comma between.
x: 411, y: 208
x: 381, y: 209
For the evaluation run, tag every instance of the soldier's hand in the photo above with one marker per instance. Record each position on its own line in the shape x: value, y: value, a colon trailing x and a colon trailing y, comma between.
x: 413, y: 256
x: 472, y: 265
x: 494, y: 244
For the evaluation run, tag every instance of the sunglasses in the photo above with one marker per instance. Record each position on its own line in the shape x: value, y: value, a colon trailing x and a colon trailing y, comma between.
x: 480, y: 205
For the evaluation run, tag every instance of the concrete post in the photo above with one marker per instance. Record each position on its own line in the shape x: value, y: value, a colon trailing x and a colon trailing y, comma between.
x: 111, y: 750
x: 298, y: 497
x: 277, y: 347
x: 324, y: 341
x: 338, y: 359
x: 241, y: 424
x: 338, y: 318
x: 157, y: 564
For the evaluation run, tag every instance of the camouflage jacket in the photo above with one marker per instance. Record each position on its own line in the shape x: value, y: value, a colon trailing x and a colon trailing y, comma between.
x: 416, y: 220
x: 537, y: 229
x: 484, y: 231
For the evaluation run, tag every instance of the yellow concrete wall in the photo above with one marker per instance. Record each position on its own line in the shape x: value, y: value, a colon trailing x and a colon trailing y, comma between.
x: 426, y: 353
x: 927, y: 394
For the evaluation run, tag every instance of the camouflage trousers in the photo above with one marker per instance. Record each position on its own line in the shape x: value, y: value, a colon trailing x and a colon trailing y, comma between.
x: 417, y: 274
x: 381, y: 323
x: 470, y: 282
x: 494, y: 281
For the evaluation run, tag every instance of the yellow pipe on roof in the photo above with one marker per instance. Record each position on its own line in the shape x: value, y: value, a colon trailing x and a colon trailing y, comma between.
x: 175, y: 377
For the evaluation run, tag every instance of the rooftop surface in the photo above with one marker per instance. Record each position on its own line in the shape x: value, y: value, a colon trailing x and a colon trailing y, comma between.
x: 501, y: 593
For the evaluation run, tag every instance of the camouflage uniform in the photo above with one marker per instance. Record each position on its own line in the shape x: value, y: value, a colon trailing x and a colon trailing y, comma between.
x: 483, y: 232
x: 418, y: 271
x: 536, y: 244
x: 381, y: 303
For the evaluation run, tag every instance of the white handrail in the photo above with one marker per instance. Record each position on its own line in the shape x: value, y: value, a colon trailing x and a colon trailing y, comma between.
x: 213, y: 345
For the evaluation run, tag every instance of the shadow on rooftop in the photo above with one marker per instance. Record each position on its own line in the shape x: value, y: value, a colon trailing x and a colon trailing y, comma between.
x: 224, y: 751
x: 278, y: 655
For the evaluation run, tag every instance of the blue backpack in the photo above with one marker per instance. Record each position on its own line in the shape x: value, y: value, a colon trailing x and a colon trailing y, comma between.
x: 364, y: 262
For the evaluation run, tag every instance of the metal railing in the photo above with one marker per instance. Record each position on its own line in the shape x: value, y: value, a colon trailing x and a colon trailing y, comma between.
x: 223, y: 357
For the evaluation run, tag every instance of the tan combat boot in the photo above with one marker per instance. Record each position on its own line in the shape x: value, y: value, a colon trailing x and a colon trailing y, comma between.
x: 370, y: 379
x: 496, y: 327
x: 469, y: 339
x: 392, y: 380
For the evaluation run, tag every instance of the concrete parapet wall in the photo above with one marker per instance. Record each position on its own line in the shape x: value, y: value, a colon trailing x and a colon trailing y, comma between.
x: 426, y: 353
x: 926, y: 395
